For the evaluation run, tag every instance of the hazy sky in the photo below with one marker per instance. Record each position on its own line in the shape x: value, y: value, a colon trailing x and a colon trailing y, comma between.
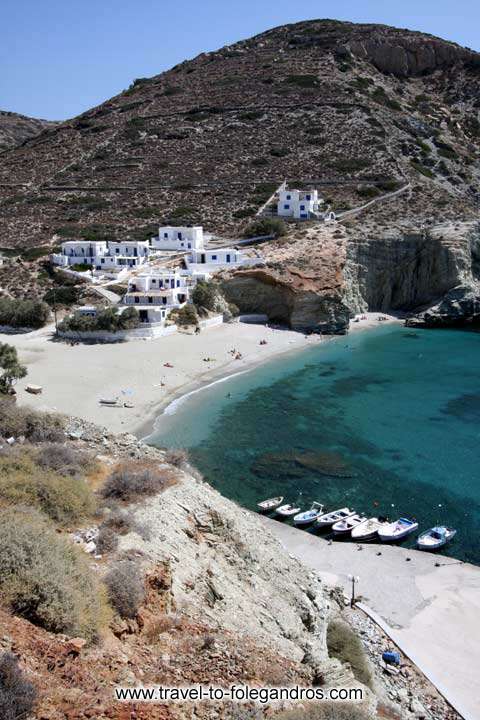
x: 61, y: 57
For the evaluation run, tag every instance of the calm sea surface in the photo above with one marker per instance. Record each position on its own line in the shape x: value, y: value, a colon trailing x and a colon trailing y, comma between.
x: 387, y: 422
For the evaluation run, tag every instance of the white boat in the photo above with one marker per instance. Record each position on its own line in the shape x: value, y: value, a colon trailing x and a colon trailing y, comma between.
x: 345, y: 526
x: 397, y: 530
x: 287, y: 510
x: 270, y: 504
x: 324, y: 521
x: 367, y: 529
x: 307, y: 517
x: 436, y: 537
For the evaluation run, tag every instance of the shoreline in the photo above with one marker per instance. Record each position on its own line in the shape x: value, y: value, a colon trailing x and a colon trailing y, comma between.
x: 428, y: 606
x: 203, y: 383
x: 148, y: 375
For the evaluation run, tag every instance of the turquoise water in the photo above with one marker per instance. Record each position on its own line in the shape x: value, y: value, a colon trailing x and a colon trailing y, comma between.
x: 386, y: 421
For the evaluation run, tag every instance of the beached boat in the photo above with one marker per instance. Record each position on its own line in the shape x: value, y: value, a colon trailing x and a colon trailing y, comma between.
x: 307, y: 517
x: 288, y: 510
x: 270, y: 504
x: 328, y: 519
x: 110, y: 402
x: 436, y: 537
x: 367, y: 530
x: 397, y: 530
x: 345, y: 526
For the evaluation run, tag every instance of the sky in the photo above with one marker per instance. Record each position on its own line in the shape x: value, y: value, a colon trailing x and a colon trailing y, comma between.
x: 59, y: 58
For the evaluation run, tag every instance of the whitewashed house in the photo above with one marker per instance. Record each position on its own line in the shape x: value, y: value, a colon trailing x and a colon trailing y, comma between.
x: 156, y: 293
x: 211, y: 260
x: 106, y: 258
x: 299, y: 204
x: 178, y: 238
x: 79, y: 252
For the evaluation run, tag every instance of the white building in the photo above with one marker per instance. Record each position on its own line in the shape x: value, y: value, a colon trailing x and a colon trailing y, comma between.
x: 299, y: 204
x: 156, y: 293
x: 79, y: 252
x: 178, y: 238
x: 218, y: 258
x: 110, y: 258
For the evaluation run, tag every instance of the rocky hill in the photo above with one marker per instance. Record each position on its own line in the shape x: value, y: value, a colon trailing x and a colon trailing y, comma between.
x: 15, y: 129
x: 357, y: 110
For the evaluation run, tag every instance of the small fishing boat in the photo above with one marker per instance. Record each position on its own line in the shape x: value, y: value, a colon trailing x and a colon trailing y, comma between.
x: 270, y: 504
x: 367, y: 529
x: 307, y: 517
x: 436, y: 537
x: 288, y: 510
x: 390, y: 532
x: 324, y: 521
x: 345, y: 526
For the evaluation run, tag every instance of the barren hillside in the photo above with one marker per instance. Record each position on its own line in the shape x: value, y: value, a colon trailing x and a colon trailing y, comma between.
x: 15, y: 129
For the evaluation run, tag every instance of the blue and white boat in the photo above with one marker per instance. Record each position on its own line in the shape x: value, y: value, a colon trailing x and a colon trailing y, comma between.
x: 309, y: 516
x: 436, y: 537
x: 390, y: 532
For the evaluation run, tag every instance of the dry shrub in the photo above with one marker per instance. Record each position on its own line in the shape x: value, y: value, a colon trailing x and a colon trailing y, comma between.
x: 125, y: 587
x: 161, y: 624
x: 46, y: 579
x: 22, y: 482
x: 118, y: 523
x: 35, y: 426
x: 107, y: 540
x: 17, y: 694
x: 131, y: 481
x: 177, y: 457
x: 344, y: 644
x: 64, y: 459
x: 326, y: 711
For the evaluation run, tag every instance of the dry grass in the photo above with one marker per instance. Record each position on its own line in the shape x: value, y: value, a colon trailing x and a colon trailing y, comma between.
x: 64, y: 499
x: 134, y: 480
x: 34, y: 426
x: 46, y: 579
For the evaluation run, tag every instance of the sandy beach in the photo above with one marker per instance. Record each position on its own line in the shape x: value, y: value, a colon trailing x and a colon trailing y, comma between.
x: 74, y: 378
x: 431, y: 612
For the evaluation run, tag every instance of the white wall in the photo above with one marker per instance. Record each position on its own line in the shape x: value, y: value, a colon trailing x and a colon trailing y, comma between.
x: 178, y: 238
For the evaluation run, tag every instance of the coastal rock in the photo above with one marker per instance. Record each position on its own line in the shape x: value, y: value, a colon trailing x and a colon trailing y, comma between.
x: 460, y: 306
x: 404, y: 272
x: 306, y: 310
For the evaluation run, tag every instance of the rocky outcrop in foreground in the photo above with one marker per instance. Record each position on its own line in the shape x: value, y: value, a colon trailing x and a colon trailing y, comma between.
x: 459, y: 308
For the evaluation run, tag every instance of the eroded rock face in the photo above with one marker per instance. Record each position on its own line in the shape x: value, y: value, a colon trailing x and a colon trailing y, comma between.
x: 412, y: 55
x: 405, y: 272
x: 258, y: 291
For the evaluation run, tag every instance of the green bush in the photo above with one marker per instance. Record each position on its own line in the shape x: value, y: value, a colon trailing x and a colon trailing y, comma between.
x: 368, y: 191
x: 17, y: 694
x: 62, y: 295
x: 33, y: 425
x: 422, y: 169
x: 266, y: 226
x: 108, y: 320
x: 23, y: 313
x: 344, y: 644
x: 205, y: 295
x: 186, y: 315
x: 304, y: 81
x: 46, y: 579
x: 65, y: 499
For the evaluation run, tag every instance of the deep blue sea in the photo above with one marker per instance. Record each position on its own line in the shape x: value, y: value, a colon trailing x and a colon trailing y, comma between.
x: 385, y: 421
